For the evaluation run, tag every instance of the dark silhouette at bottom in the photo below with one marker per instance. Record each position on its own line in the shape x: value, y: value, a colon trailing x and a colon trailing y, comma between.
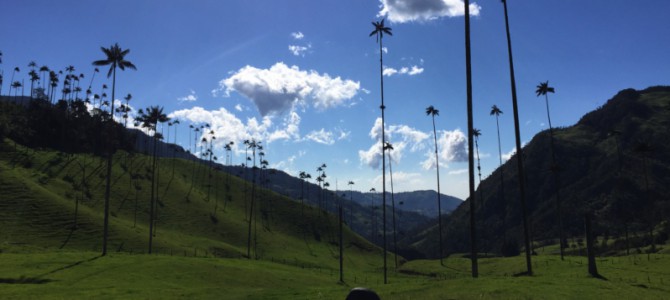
x: 360, y: 293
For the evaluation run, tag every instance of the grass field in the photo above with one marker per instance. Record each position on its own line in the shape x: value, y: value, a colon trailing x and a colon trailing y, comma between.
x: 60, y: 275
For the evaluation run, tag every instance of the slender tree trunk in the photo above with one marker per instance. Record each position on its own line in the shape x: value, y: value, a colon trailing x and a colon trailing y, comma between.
x: 395, y: 240
x: 439, y: 201
x: 251, y: 208
x: 557, y: 185
x: 522, y: 186
x: 502, y: 185
x: 381, y: 76
x: 341, y: 246
x: 152, y: 200
x: 108, y: 183
x: 590, y: 251
x: 471, y: 162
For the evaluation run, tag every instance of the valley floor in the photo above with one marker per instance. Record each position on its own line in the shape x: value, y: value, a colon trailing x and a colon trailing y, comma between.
x: 79, y: 275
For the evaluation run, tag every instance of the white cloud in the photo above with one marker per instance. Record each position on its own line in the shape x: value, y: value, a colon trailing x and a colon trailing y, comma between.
x: 385, y: 50
x: 238, y: 107
x: 298, y: 50
x: 402, y: 11
x: 457, y: 172
x: 508, y: 155
x: 189, y: 98
x: 297, y: 35
x: 229, y: 127
x: 278, y: 89
x: 411, y: 71
x: 322, y: 137
x: 452, y: 147
x: 402, y: 137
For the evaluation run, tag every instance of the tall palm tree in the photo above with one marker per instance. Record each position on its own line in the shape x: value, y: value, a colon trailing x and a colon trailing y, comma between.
x: 11, y: 82
x: 33, y: 76
x: 351, y: 205
x: 389, y: 147
x: 477, y: 133
x: 495, y: 111
x: 43, y: 69
x: 253, y: 145
x: 379, y: 32
x: 150, y: 119
x: 431, y: 111
x: 542, y: 90
x: 471, y: 162
x: 115, y: 57
x: 519, y: 157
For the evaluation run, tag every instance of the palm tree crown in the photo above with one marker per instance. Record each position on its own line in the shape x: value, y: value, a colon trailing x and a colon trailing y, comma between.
x: 543, y: 88
x: 380, y: 29
x: 115, y: 58
x: 496, y: 111
x: 431, y: 111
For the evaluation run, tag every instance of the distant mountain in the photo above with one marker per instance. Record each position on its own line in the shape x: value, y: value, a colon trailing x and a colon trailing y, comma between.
x: 614, y: 163
x: 420, y: 202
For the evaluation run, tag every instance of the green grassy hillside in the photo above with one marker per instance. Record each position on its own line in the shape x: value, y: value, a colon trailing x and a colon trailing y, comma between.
x: 40, y: 190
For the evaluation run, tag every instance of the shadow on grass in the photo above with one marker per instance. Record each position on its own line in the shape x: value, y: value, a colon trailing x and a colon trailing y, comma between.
x: 522, y: 274
x: 72, y: 265
x: 598, y: 276
x: 24, y: 280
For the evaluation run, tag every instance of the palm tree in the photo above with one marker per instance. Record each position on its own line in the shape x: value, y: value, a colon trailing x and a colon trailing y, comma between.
x: 253, y: 145
x: 389, y: 147
x: 542, y: 89
x: 33, y: 77
x: 471, y: 162
x: 43, y: 69
x: 11, y: 82
x: 16, y: 85
x: 519, y: 157
x: 150, y: 120
x: 351, y: 199
x: 379, y: 31
x: 115, y: 58
x: 495, y: 111
x: 431, y: 111
x: 477, y: 133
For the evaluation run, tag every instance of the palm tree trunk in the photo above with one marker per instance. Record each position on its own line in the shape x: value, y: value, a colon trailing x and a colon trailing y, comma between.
x: 152, y: 200
x: 522, y: 186
x: 471, y: 161
x: 502, y: 185
x: 108, y: 183
x: 395, y: 240
x: 381, y: 76
x: 439, y: 201
x: 557, y: 185
x: 341, y: 246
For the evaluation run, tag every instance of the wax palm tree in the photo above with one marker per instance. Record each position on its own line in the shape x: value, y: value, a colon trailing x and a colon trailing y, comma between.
x: 495, y: 111
x: 379, y: 32
x: 389, y: 147
x: 477, y: 133
x: 150, y: 119
x: 351, y: 204
x: 43, y: 69
x: 16, y: 85
x: 11, y: 82
x: 253, y: 145
x: 471, y: 162
x: 33, y: 77
x: 116, y: 59
x: 432, y: 112
x: 519, y: 157
x: 542, y: 90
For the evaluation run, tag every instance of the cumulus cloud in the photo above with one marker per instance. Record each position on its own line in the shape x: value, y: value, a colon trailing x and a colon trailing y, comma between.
x: 189, y: 98
x: 276, y: 90
x: 230, y: 128
x: 402, y: 137
x: 297, y: 35
x: 238, y: 107
x: 402, y: 11
x: 322, y: 137
x: 411, y: 71
x: 452, y: 147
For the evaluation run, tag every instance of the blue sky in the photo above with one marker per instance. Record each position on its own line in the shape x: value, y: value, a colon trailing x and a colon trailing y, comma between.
x: 303, y: 76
